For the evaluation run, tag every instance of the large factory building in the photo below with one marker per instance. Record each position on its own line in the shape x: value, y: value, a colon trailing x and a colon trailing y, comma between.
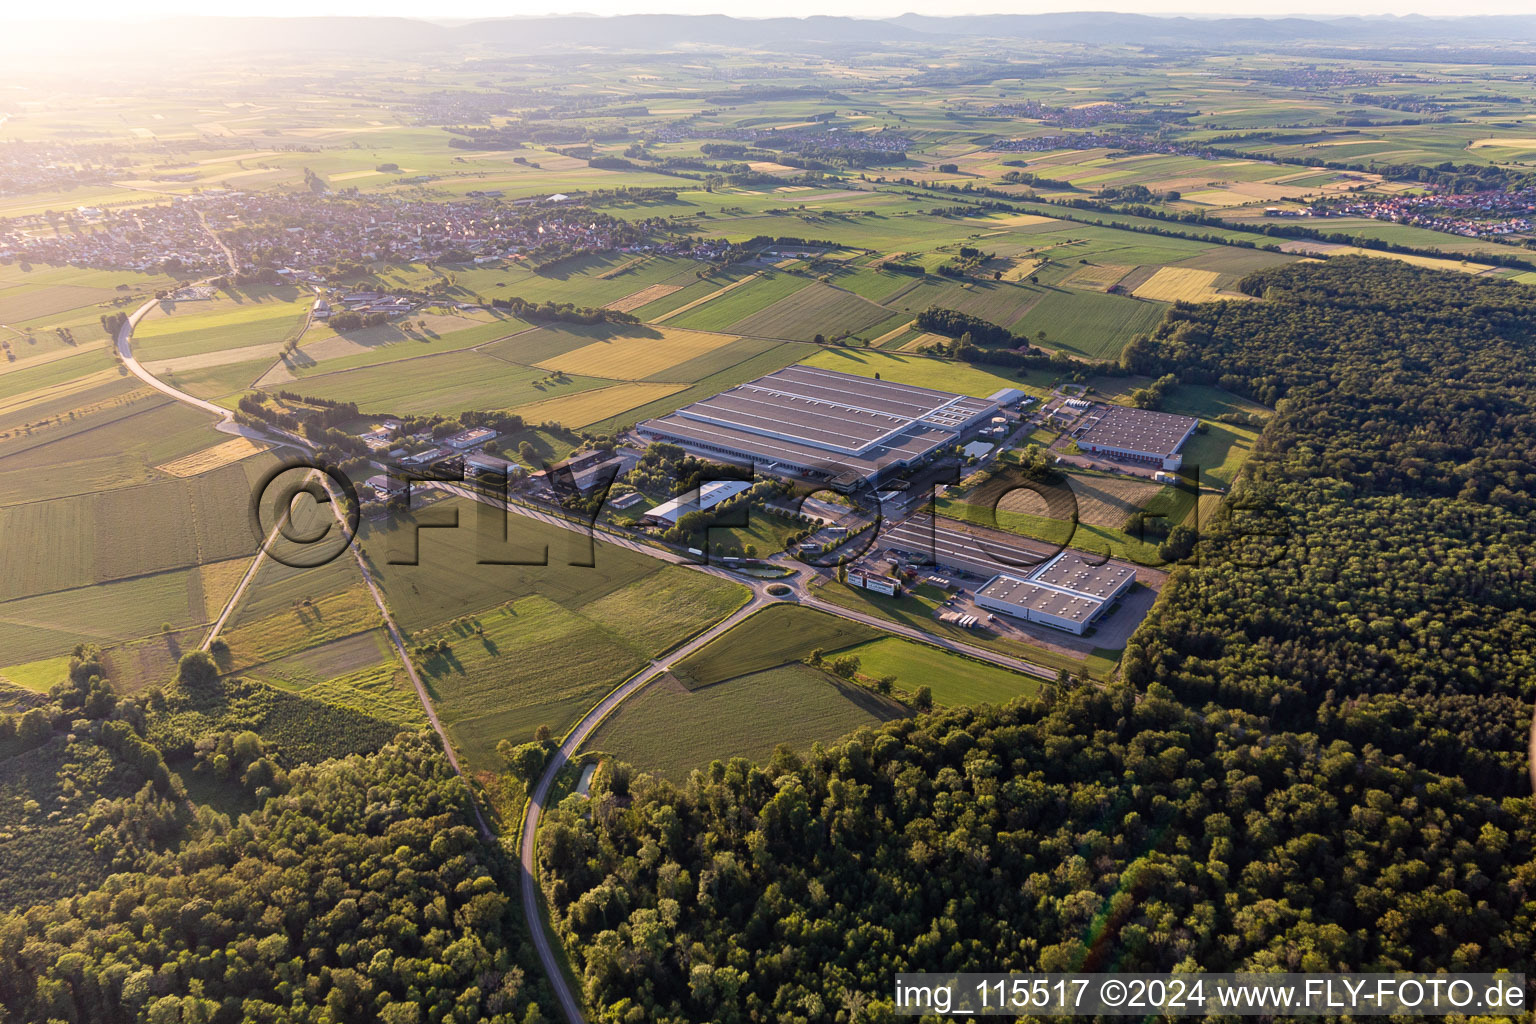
x: 823, y: 425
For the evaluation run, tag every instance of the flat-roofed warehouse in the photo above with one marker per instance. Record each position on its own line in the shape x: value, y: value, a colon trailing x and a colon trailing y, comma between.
x: 1138, y: 434
x: 929, y: 541
x: 822, y: 424
x: 1069, y: 592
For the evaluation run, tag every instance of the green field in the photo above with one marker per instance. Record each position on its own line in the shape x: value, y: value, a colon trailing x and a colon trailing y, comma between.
x: 451, y: 580
x: 234, y: 320
x: 44, y: 626
x: 111, y: 435
x: 1102, y: 540
x: 534, y: 643
x: 777, y: 635
x: 1088, y: 323
x: 923, y: 371
x: 723, y: 312
x: 670, y: 730
x: 953, y: 678
x: 126, y: 532
x: 447, y: 383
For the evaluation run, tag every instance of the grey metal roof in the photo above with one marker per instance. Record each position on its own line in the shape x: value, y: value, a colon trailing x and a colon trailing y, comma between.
x: 1141, y: 430
x: 1073, y: 571
x: 1023, y: 593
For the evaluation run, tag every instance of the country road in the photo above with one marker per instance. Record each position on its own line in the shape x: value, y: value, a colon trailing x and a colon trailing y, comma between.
x: 912, y: 633
x: 572, y: 742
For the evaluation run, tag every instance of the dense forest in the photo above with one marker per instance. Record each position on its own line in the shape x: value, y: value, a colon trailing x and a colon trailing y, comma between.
x: 1314, y: 761
x: 219, y: 851
x: 1374, y: 576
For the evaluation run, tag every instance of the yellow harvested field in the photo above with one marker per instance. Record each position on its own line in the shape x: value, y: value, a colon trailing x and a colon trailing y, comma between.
x: 634, y: 300
x: 219, y: 580
x: 1524, y: 143
x: 888, y: 335
x: 1432, y: 262
x: 1022, y: 267
x: 921, y: 340
x: 222, y: 454
x: 37, y: 396
x: 1216, y: 197
x: 1098, y: 276
x: 637, y: 353
x: 696, y: 303
x: 590, y: 406
x: 351, y: 175
x: 1175, y: 284
x: 1019, y: 220
x: 1326, y: 249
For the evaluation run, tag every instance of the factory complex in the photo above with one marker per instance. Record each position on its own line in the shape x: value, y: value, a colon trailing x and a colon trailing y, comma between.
x: 825, y: 426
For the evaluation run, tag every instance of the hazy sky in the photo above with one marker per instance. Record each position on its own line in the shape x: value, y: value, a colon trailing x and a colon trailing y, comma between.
x: 99, y: 10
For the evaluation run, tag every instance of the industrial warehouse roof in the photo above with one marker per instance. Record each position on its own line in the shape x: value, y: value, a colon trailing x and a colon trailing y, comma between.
x: 763, y: 449
x: 822, y: 420
x: 1139, y: 430
x: 1073, y: 571
x: 1026, y: 594
x: 944, y: 542
x: 1070, y: 586
x: 839, y: 412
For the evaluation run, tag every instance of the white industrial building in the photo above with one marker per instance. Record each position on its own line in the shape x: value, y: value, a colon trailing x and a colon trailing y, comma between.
x: 466, y: 439
x: 702, y: 499
x: 1069, y: 592
x: 1139, y: 435
x: 888, y: 585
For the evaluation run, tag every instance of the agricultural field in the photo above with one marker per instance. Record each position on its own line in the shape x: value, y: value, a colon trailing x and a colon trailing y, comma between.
x: 636, y: 352
x: 45, y: 625
x: 107, y: 433
x: 236, y: 325
x: 777, y: 635
x: 923, y: 371
x: 538, y: 661
x: 448, y: 383
x: 50, y: 312
x: 748, y: 715
x: 216, y: 457
x: 1180, y: 284
x: 586, y: 407
x: 358, y: 671
x: 573, y: 228
x: 954, y: 679
x: 1088, y: 323
x: 322, y: 350
x: 1101, y: 500
x: 309, y: 626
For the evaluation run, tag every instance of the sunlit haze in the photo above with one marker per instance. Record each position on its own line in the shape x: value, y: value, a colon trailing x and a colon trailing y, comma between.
x: 99, y: 10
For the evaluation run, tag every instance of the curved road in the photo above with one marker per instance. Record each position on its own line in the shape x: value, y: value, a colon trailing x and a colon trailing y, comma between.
x: 569, y: 1007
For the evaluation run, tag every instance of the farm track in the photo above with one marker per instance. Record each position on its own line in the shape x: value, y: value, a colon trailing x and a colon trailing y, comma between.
x: 696, y: 303
x: 125, y: 350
